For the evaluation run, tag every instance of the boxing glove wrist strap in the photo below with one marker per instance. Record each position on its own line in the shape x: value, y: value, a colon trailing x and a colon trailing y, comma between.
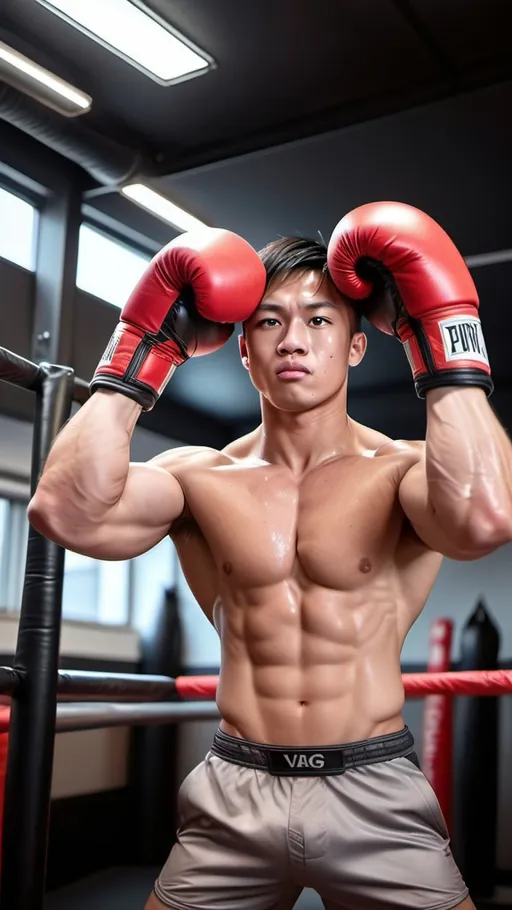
x: 447, y: 348
x: 137, y: 365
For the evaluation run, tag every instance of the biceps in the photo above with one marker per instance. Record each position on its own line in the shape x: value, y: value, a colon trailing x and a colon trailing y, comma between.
x: 415, y: 501
x: 152, y: 499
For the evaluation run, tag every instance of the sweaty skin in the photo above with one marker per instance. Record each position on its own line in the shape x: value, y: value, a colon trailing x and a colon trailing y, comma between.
x: 312, y: 582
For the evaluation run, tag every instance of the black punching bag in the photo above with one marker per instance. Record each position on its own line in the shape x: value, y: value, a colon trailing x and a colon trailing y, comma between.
x: 154, y: 748
x: 476, y: 761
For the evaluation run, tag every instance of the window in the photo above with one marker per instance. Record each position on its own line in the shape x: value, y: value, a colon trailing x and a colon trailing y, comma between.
x: 94, y: 591
x: 4, y: 512
x: 4, y: 536
x: 80, y: 591
x: 106, y: 268
x: 18, y: 220
x: 13, y: 550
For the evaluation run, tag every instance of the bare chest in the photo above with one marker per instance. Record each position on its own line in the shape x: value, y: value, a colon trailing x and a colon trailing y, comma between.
x: 335, y: 527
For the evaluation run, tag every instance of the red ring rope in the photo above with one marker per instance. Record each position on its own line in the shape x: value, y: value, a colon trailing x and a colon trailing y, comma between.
x: 416, y: 685
x: 467, y: 682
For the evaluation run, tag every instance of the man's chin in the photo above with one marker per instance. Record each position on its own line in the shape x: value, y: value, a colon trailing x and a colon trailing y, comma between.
x: 290, y: 399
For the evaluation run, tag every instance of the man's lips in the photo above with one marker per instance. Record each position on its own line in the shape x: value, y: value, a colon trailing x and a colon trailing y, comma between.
x: 292, y: 370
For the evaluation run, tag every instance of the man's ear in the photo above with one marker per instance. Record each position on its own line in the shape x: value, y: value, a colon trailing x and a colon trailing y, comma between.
x: 243, y: 351
x: 357, y: 348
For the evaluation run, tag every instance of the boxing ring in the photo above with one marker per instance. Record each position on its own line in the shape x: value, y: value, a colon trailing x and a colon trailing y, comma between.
x: 46, y: 700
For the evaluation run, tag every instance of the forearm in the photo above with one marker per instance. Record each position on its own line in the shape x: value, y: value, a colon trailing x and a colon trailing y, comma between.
x: 87, y: 467
x: 468, y: 465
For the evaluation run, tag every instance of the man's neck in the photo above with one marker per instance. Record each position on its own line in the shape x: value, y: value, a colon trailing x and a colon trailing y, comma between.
x: 303, y: 440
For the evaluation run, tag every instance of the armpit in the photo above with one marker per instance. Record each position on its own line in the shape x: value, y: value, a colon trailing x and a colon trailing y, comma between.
x: 185, y: 526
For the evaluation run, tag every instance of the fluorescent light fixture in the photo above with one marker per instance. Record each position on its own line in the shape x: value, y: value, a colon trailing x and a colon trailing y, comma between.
x: 27, y: 76
x: 161, y: 207
x: 135, y: 33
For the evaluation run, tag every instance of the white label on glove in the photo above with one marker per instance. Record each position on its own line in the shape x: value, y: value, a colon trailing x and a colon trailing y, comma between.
x: 463, y: 339
x: 407, y: 349
x: 108, y: 354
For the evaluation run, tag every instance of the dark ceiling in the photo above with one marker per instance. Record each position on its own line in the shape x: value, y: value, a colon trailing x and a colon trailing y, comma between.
x: 285, y: 68
x: 314, y: 106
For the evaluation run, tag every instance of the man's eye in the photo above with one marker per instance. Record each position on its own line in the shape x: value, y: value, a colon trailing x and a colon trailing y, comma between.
x: 268, y: 321
x: 319, y: 320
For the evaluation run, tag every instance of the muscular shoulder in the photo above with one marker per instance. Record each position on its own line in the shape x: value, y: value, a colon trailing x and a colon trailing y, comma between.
x: 182, y: 459
x: 402, y: 455
x: 410, y: 450
x: 380, y: 446
x: 243, y: 448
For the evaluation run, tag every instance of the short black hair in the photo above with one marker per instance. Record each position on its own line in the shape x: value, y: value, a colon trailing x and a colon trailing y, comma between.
x: 287, y: 255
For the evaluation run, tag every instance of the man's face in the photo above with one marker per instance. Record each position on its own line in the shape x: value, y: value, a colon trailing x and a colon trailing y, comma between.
x: 299, y: 342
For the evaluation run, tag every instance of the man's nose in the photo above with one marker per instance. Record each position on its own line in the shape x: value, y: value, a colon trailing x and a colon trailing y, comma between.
x: 295, y: 339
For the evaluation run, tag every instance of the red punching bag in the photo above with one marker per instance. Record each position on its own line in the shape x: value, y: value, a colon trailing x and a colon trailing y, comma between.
x: 438, y: 720
x: 4, y: 745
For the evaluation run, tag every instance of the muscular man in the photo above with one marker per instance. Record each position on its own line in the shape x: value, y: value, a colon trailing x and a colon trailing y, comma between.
x: 312, y: 545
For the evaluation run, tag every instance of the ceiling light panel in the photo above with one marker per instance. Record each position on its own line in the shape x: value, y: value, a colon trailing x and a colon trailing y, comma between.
x: 162, y: 207
x: 132, y: 31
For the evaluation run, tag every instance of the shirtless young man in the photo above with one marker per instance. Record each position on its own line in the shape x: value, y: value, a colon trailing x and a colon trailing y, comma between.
x: 312, y: 545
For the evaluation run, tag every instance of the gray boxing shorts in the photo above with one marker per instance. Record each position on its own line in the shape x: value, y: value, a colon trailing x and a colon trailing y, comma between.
x: 359, y: 823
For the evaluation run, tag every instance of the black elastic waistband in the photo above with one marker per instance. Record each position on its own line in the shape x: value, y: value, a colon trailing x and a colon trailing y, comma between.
x: 313, y: 761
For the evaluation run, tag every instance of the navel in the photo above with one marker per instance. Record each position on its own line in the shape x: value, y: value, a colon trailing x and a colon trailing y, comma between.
x: 228, y: 568
x: 365, y: 565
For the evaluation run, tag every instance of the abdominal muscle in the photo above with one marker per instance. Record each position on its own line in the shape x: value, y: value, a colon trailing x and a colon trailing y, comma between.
x: 309, y: 667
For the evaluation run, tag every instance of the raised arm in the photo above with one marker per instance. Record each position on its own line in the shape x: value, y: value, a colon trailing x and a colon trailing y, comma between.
x: 413, y: 282
x: 90, y: 498
x: 459, y: 497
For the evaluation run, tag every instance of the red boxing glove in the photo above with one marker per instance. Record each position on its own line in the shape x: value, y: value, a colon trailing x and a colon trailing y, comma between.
x: 416, y: 285
x: 185, y: 305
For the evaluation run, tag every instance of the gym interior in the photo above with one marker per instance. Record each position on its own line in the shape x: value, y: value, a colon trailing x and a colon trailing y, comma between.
x: 285, y: 115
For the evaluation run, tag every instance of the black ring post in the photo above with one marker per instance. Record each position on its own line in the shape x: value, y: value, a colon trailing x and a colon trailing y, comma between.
x: 33, y: 710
